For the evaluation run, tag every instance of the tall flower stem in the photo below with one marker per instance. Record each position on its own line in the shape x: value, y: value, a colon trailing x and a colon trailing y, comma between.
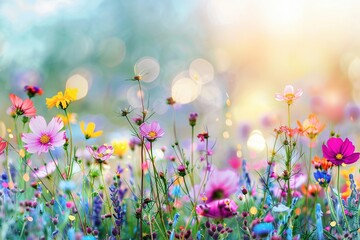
x: 106, y: 193
x: 308, y: 178
x: 142, y: 161
x: 158, y: 199
x: 70, y: 164
x: 289, y: 116
x: 340, y: 200
x: 332, y: 211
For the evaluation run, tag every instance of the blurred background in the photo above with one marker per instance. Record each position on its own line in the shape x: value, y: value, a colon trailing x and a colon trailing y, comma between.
x: 224, y: 59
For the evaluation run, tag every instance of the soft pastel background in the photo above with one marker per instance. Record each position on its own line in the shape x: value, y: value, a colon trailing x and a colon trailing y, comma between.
x: 228, y: 57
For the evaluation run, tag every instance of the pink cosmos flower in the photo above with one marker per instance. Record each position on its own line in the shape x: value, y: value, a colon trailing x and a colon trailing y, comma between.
x: 101, y: 154
x: 151, y: 131
x: 222, y: 184
x: 338, y: 151
x: 224, y: 208
x: 3, y: 145
x: 21, y: 107
x: 45, y: 170
x: 44, y: 137
x: 289, y: 95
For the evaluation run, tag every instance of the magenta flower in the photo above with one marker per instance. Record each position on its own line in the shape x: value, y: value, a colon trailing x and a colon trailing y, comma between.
x: 289, y: 95
x: 222, y: 184
x: 151, y: 131
x: 101, y: 154
x: 224, y: 208
x: 44, y: 137
x: 338, y: 151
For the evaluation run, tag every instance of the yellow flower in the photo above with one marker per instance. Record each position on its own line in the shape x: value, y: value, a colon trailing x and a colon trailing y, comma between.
x: 120, y: 147
x: 72, y: 118
x: 89, y: 131
x: 62, y: 100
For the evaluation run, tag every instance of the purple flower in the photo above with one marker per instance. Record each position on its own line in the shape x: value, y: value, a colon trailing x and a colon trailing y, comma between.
x: 151, y: 131
x: 43, y: 136
x: 338, y: 151
x: 192, y: 119
x: 101, y: 154
x: 222, y: 184
x: 224, y: 208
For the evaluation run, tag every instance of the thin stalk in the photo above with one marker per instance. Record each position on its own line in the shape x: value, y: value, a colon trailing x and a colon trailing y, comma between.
x: 156, y: 176
x: 78, y: 212
x: 340, y: 201
x: 332, y: 211
x: 106, y: 193
x: 71, y: 146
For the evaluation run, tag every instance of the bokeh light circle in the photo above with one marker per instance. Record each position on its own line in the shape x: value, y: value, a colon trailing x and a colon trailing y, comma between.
x: 201, y: 70
x: 148, y: 68
x: 80, y: 82
x: 185, y: 90
x: 256, y: 141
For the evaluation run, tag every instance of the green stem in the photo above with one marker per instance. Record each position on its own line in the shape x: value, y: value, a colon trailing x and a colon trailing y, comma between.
x: 332, y: 211
x: 71, y: 146
x: 340, y: 201
x: 289, y: 116
x: 158, y: 199
x: 106, y: 193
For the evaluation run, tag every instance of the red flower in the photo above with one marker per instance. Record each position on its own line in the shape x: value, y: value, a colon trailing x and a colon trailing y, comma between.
x: 22, y: 107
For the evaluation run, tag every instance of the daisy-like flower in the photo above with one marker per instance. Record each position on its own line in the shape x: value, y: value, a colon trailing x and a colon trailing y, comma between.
x: 289, y: 94
x: 223, y: 208
x: 45, y: 170
x: 44, y: 137
x: 62, y: 100
x: 311, y: 127
x: 89, y: 132
x: 101, y: 154
x: 221, y: 185
x: 338, y: 151
x: 21, y: 107
x: 151, y: 131
x: 120, y: 147
x: 32, y: 91
x: 3, y: 145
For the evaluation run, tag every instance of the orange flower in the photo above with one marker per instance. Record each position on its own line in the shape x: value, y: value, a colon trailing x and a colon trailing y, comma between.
x: 321, y: 163
x: 312, y: 190
x: 311, y: 127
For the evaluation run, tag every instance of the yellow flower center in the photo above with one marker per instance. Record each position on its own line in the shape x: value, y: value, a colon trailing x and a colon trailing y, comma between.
x: 290, y: 97
x: 152, y: 134
x: 44, y: 139
x: 339, y: 156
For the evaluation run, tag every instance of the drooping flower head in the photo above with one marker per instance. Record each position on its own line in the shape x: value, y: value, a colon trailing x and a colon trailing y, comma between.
x: 89, y: 131
x: 311, y: 127
x: 151, y: 131
x: 32, y: 91
x: 289, y: 94
x: 44, y: 137
x: 340, y: 151
x: 120, y: 147
x: 3, y: 145
x: 223, y: 208
x: 221, y: 184
x: 61, y: 100
x: 21, y: 107
x: 102, y: 153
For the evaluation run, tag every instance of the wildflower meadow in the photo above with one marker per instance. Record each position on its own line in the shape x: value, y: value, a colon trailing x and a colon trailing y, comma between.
x: 53, y: 187
x: 179, y: 120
